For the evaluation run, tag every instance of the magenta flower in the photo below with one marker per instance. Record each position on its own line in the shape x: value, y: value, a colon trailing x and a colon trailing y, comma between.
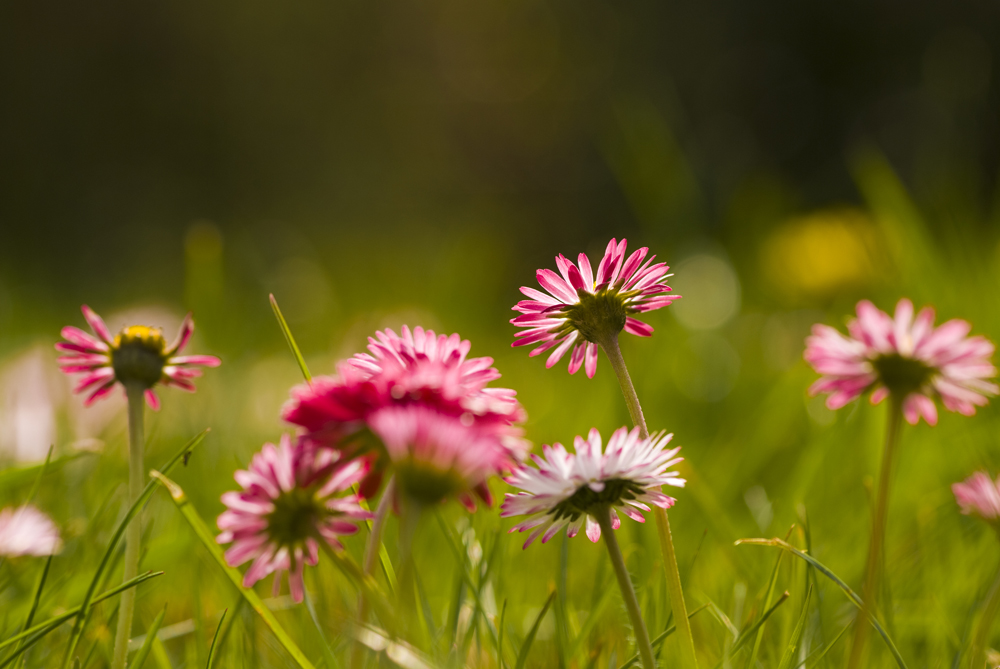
x: 905, y: 356
x: 582, y: 310
x: 288, y: 504
x: 27, y: 531
x: 138, y: 354
x: 570, y: 489
x: 979, y: 496
x: 417, y: 404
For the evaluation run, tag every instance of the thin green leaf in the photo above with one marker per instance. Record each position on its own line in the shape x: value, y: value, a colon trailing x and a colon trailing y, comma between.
x: 364, y: 582
x: 474, y: 590
x: 503, y: 616
x: 10, y: 478
x: 215, y: 641
x: 38, y: 594
x: 522, y: 655
x: 41, y: 474
x: 147, y: 643
x: 147, y: 492
x: 800, y: 628
x: 767, y: 602
x: 595, y: 614
x: 821, y: 653
x: 208, y: 541
x: 328, y: 656
x: 33, y: 634
x: 743, y: 638
x: 836, y: 579
x: 283, y: 324
x: 632, y: 661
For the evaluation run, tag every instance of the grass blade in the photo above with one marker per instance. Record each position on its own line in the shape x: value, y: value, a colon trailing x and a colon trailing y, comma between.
x: 634, y: 660
x: 215, y: 641
x: 147, y: 492
x: 743, y: 638
x: 522, y: 655
x: 800, y: 627
x: 283, y: 324
x: 38, y: 592
x: 328, y: 656
x: 10, y: 478
x: 208, y: 541
x: 147, y: 643
x: 503, y: 616
x: 767, y: 602
x: 821, y: 568
x: 595, y: 614
x: 821, y: 653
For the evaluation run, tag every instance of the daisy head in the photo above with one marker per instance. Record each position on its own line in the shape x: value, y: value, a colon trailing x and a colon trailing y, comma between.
x: 582, y: 310
x: 291, y: 499
x: 570, y: 489
x: 979, y: 495
x: 27, y: 531
x: 138, y: 355
x: 905, y: 357
x: 416, y: 403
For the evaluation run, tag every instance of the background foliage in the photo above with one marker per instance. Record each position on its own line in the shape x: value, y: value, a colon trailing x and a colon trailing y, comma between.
x: 374, y: 164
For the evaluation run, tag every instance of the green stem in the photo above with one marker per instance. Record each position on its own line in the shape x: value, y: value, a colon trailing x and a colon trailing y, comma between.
x: 133, y: 534
x: 873, y: 573
x: 410, y: 511
x: 977, y: 657
x: 672, y: 572
x: 628, y: 592
x: 370, y: 557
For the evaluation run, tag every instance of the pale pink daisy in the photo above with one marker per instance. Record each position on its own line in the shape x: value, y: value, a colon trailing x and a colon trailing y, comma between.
x: 27, y: 531
x: 905, y: 356
x: 288, y: 504
x: 979, y: 495
x: 137, y: 354
x: 570, y: 489
x: 414, y: 400
x: 582, y: 310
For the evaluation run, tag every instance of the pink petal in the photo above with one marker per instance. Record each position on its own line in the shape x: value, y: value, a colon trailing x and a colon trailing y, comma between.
x: 152, y: 400
x: 183, y: 336
x: 637, y: 327
x: 95, y: 322
x: 204, y: 360
x: 591, y: 362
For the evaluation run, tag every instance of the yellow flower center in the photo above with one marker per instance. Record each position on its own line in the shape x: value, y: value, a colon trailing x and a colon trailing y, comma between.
x: 138, y: 354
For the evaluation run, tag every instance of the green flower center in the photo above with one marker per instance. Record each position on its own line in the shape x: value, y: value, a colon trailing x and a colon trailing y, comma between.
x: 598, y: 316
x: 138, y: 355
x: 426, y: 483
x: 295, y: 516
x: 900, y: 375
x: 586, y: 500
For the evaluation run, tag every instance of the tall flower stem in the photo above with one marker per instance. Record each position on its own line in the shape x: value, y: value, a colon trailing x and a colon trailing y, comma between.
x: 672, y: 572
x: 977, y: 655
x: 133, y: 534
x: 873, y: 573
x: 370, y: 558
x: 410, y: 511
x: 628, y: 592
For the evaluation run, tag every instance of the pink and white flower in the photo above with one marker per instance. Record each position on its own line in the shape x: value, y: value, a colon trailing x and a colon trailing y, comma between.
x: 904, y: 356
x: 27, y: 531
x: 582, y: 309
x: 289, y: 504
x: 979, y: 495
x: 570, y: 489
x: 416, y: 403
x: 138, y: 354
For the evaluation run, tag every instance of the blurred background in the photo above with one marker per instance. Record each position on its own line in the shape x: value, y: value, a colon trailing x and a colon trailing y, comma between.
x: 375, y: 163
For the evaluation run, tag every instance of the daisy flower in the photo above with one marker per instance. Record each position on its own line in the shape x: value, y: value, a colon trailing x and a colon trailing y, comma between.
x: 582, y: 310
x: 27, y: 531
x: 570, y: 489
x: 137, y: 354
x: 287, y: 505
x: 419, y: 404
x: 904, y: 356
x: 979, y: 496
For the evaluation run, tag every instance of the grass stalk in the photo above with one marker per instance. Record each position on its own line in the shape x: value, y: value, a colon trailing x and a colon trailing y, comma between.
x: 977, y: 653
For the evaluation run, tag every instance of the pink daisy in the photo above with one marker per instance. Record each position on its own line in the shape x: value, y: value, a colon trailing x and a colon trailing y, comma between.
x: 979, y: 495
x: 581, y: 310
x: 905, y: 356
x: 570, y: 489
x: 27, y: 531
x: 288, y: 504
x: 413, y: 403
x: 138, y: 354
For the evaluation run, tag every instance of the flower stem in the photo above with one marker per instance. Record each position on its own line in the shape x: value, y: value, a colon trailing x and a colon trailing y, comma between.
x: 411, y: 511
x: 672, y: 572
x: 133, y: 533
x: 628, y: 592
x: 873, y: 574
x: 370, y: 557
x: 977, y: 656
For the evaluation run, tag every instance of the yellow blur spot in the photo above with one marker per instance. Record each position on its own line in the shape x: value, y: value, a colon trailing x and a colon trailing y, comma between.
x: 821, y: 253
x: 142, y: 335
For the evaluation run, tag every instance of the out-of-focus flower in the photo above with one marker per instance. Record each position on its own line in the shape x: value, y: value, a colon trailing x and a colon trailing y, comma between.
x: 27, y: 531
x: 288, y: 504
x: 419, y: 404
x: 138, y: 354
x: 979, y: 495
x: 570, y: 489
x: 581, y: 309
x: 905, y: 356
